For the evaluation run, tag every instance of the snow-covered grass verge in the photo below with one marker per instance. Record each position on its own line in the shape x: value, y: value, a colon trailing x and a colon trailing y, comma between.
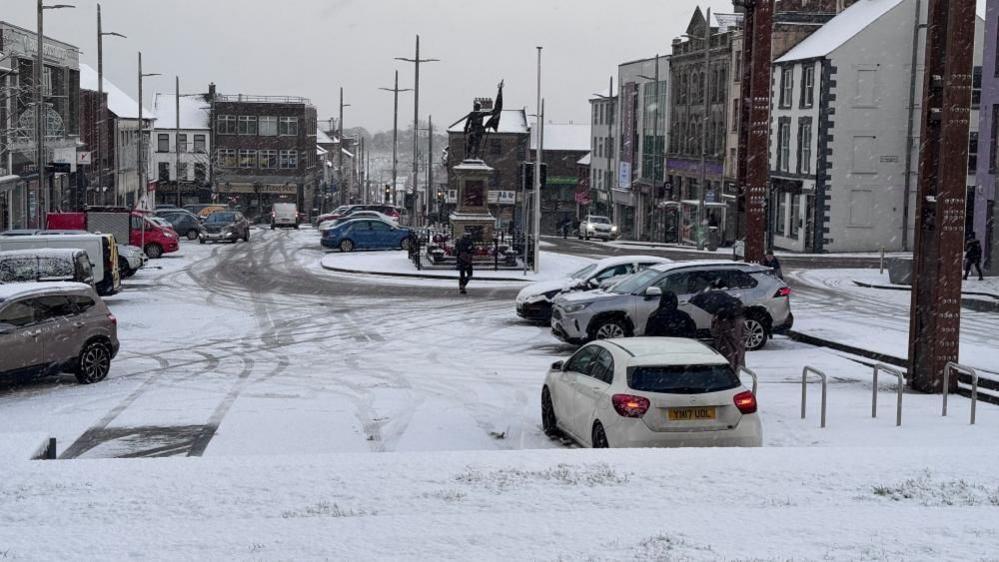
x: 922, y: 503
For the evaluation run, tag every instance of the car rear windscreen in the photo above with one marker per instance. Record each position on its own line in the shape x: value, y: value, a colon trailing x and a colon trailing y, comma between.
x: 683, y: 379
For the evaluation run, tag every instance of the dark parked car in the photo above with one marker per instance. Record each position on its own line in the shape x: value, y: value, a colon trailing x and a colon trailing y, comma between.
x: 50, y: 328
x: 184, y: 222
x: 225, y: 226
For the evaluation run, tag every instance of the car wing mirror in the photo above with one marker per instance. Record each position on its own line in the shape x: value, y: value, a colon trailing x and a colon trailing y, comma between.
x: 558, y: 365
x: 653, y: 293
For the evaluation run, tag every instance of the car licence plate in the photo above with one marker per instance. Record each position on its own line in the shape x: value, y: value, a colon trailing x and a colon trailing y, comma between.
x: 692, y: 414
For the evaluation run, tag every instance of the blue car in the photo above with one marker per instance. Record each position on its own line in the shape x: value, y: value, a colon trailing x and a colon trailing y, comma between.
x: 366, y: 235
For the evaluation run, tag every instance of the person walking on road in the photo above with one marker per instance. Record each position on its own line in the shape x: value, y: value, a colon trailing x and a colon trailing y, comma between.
x: 973, y: 257
x: 771, y: 261
x: 465, y: 252
x: 668, y: 321
x: 727, y: 323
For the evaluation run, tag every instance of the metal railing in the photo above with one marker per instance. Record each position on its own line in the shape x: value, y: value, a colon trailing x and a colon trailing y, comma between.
x: 879, y: 367
x: 951, y: 366
x: 756, y: 379
x: 261, y: 99
x: 804, y: 390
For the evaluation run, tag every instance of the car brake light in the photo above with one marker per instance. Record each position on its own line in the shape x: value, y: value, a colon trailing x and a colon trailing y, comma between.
x: 630, y: 406
x: 783, y: 292
x: 113, y: 319
x: 746, y: 402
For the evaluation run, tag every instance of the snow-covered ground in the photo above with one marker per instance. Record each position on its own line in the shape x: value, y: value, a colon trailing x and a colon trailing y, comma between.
x: 828, y: 304
x: 283, y: 379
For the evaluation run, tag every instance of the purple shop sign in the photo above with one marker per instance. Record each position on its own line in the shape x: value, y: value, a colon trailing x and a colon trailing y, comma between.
x: 694, y: 166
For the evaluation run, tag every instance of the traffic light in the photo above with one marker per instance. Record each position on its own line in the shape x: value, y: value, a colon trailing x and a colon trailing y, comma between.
x: 528, y: 174
x: 388, y: 193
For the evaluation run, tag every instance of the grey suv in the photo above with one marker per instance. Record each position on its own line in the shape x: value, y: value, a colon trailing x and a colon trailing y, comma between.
x: 624, y: 309
x: 49, y: 328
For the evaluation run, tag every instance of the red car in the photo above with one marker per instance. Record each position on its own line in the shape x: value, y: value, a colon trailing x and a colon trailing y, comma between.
x: 126, y: 225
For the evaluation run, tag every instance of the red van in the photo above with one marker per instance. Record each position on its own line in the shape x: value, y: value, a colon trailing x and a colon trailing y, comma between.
x: 125, y: 224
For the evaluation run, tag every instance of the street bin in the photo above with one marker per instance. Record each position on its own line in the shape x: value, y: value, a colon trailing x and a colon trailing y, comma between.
x: 900, y: 271
x: 714, y: 238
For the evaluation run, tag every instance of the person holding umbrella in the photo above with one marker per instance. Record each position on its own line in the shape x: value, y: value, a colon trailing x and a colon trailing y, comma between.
x: 727, y: 324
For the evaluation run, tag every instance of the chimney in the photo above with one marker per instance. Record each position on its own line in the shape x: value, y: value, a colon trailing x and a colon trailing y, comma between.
x: 211, y: 91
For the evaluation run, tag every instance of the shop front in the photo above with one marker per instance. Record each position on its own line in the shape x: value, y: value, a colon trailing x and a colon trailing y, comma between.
x: 255, y: 199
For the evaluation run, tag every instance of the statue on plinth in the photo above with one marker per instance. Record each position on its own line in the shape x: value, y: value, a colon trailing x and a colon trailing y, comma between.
x: 477, y: 125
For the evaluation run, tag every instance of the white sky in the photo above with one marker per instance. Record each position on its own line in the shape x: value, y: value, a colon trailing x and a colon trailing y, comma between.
x: 312, y: 47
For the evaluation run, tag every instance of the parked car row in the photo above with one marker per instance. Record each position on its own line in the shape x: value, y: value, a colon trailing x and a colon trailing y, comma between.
x: 105, y: 262
x: 395, y: 213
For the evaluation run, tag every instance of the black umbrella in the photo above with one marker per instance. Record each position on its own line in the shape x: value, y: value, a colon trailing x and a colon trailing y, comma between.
x: 717, y: 303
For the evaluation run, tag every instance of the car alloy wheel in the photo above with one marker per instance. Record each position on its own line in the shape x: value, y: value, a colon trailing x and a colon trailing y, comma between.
x: 346, y: 246
x: 599, y: 439
x: 404, y: 245
x: 610, y: 330
x: 154, y: 251
x: 548, y: 420
x: 755, y: 335
x: 94, y: 363
x: 192, y: 234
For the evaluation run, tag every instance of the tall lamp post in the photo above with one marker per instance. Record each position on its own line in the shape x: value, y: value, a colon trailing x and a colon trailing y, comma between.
x: 395, y: 130
x: 344, y: 195
x: 143, y: 182
x: 657, y: 149
x: 40, y: 123
x: 101, y: 106
x: 417, y: 61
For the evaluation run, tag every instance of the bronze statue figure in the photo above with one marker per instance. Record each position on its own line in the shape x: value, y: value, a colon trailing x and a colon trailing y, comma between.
x: 476, y: 125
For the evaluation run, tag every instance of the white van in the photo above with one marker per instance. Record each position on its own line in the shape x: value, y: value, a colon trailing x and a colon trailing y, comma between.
x: 100, y: 248
x: 284, y: 214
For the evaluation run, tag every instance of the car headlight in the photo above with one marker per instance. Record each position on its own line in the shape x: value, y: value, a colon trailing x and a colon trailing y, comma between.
x: 613, y: 229
x: 570, y: 308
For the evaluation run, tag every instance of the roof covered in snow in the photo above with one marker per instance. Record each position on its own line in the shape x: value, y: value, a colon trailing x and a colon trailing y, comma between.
x: 323, y: 138
x: 603, y: 94
x: 119, y: 103
x: 726, y: 22
x: 511, y: 121
x: 585, y: 160
x: 193, y: 111
x: 563, y: 136
x: 840, y: 29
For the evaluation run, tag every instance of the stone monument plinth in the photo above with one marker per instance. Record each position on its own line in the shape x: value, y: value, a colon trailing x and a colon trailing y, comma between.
x: 472, y: 213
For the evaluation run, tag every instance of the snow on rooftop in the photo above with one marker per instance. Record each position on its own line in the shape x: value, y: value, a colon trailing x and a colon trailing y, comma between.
x: 585, y: 160
x: 193, y: 111
x: 563, y: 136
x: 604, y: 93
x: 511, y: 121
x: 119, y: 103
x: 323, y: 138
x: 726, y: 22
x: 840, y: 29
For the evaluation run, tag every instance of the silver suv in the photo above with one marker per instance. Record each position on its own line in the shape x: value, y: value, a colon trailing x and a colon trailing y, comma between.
x: 49, y: 328
x: 594, y: 226
x: 624, y: 309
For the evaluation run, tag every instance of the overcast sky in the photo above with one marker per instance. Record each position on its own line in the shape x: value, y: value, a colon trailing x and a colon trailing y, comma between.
x: 312, y: 47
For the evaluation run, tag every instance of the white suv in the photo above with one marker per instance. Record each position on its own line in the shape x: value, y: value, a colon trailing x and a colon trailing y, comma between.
x: 623, y: 309
x: 594, y: 226
x: 649, y: 392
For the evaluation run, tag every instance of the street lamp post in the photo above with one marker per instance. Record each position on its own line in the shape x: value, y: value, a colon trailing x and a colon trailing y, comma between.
x: 140, y: 163
x: 40, y: 123
x: 656, y: 150
x: 395, y: 129
x: 101, y: 106
x: 344, y: 195
x: 416, y: 119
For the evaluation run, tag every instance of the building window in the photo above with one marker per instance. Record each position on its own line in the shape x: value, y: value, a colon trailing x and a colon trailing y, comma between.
x: 227, y: 158
x: 268, y: 126
x: 182, y: 171
x: 162, y: 143
x: 226, y: 125
x: 786, y: 86
x: 247, y: 125
x: 808, y: 85
x: 805, y: 146
x: 736, y: 114
x: 976, y: 88
x: 973, y: 153
x: 268, y: 159
x: 864, y: 151
x: 47, y: 81
x: 164, y: 171
x: 867, y: 95
x: 737, y: 67
x: 288, y: 127
x: 784, y: 146
x: 199, y: 144
x: 247, y: 158
x: 994, y: 140
x: 200, y: 173
x: 795, y: 212
x: 780, y: 217
x: 289, y: 158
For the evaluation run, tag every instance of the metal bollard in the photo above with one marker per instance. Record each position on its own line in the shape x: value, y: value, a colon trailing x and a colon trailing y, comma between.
x: 804, y: 391
x: 756, y: 380
x: 50, y: 451
x: 951, y: 366
x: 901, y: 386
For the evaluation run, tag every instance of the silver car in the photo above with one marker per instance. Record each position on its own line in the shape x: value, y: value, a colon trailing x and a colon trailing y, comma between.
x: 49, y: 328
x: 595, y: 226
x: 624, y: 309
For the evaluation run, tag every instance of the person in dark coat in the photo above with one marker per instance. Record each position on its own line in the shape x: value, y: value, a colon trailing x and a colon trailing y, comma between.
x: 973, y: 257
x: 727, y: 324
x: 668, y: 321
x: 771, y: 261
x: 465, y: 252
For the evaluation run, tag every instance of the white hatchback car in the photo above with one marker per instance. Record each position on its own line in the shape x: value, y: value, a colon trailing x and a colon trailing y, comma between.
x: 649, y: 392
